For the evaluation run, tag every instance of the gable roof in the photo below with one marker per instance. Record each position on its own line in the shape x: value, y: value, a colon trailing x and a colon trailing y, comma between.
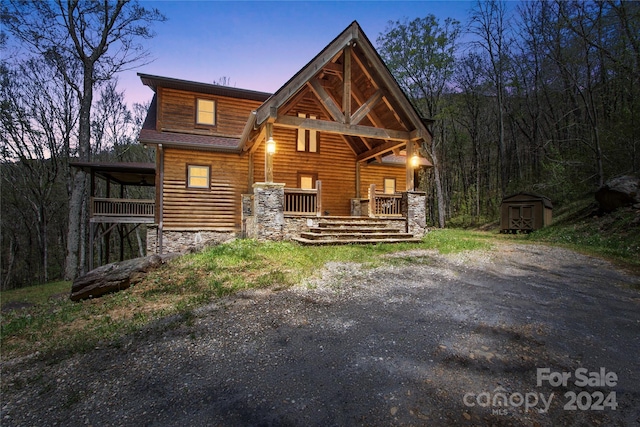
x: 351, y: 36
x: 372, y: 65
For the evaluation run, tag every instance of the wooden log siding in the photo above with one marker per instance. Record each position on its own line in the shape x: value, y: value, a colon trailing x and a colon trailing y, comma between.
x: 218, y: 208
x: 376, y: 173
x: 334, y: 165
x: 177, y: 112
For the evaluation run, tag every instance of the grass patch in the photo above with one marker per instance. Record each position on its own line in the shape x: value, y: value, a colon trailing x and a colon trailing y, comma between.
x: 451, y: 240
x: 615, y: 236
x: 36, y: 294
x: 58, y: 325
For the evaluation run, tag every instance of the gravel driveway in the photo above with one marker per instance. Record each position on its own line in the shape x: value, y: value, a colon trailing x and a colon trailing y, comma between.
x: 426, y: 339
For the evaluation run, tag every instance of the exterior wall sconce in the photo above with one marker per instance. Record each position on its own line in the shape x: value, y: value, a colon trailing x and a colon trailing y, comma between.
x: 415, y: 161
x: 271, y: 146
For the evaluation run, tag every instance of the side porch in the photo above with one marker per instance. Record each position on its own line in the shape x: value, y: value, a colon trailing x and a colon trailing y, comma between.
x: 126, y: 206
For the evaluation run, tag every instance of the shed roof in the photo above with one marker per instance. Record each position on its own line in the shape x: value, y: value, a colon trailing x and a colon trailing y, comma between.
x: 523, y: 195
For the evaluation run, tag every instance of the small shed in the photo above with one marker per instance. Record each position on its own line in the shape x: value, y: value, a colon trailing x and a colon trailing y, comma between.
x: 525, y: 212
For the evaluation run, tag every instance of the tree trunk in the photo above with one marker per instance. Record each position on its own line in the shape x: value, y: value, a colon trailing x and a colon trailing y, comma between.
x: 438, y: 183
x: 77, y: 207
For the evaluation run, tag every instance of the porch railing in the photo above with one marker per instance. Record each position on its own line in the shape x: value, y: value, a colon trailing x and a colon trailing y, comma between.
x: 108, y: 207
x: 298, y: 201
x: 381, y: 204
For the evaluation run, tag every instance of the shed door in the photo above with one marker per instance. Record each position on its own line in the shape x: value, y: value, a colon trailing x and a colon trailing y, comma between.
x: 521, y: 217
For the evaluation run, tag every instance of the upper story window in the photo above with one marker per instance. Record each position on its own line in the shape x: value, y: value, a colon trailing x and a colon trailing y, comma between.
x: 307, y: 139
x: 206, y: 112
x: 198, y: 176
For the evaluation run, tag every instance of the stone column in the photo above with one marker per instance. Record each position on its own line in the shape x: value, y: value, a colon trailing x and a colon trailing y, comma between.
x: 152, y: 239
x: 414, y: 208
x: 268, y: 211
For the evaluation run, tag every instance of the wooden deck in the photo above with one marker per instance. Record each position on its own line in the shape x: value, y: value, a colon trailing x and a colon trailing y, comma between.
x: 123, y: 211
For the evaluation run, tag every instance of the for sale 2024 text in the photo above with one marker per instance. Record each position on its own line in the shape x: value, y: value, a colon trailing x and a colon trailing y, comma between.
x: 584, y: 400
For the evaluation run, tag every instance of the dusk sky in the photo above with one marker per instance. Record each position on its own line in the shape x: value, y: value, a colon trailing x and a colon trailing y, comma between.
x: 259, y: 45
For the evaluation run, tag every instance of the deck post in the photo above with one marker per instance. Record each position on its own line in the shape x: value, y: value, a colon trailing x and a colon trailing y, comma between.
x: 318, y: 198
x: 372, y: 200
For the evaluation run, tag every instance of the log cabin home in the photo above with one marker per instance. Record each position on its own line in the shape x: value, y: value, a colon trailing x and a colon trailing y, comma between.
x: 330, y: 157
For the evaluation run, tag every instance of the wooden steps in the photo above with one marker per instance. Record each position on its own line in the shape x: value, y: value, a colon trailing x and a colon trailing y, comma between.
x: 356, y: 230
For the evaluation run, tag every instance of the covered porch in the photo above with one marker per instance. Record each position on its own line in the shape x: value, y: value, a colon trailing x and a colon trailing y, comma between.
x: 113, y: 209
x: 343, y: 124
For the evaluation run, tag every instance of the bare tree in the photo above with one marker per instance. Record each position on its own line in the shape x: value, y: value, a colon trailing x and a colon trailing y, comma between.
x: 489, y: 23
x: 38, y: 116
x: 103, y: 37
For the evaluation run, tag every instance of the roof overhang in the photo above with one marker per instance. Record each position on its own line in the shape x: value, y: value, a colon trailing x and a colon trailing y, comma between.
x: 138, y: 174
x: 212, y: 89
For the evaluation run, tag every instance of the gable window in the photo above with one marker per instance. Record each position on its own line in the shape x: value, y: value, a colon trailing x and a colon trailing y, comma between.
x: 198, y: 176
x: 206, y: 112
x: 389, y: 186
x: 307, y: 139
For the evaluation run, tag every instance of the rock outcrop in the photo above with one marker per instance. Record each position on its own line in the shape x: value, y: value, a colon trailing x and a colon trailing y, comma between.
x: 619, y: 192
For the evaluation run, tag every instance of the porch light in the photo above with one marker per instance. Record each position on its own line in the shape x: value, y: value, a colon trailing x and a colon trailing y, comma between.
x: 414, y: 161
x: 271, y: 146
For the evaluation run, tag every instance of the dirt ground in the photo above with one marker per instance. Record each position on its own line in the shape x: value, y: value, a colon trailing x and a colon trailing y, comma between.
x: 519, y: 335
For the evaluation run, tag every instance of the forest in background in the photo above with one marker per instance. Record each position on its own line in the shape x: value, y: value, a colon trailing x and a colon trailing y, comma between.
x: 543, y: 97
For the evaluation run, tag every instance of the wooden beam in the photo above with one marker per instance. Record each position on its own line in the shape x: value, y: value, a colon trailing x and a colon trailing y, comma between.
x: 341, y: 128
x: 380, y: 150
x: 307, y: 73
x: 327, y: 101
x: 259, y: 139
x: 359, y: 96
x: 366, y: 108
x: 417, y: 134
x: 294, y: 100
x: 346, y: 84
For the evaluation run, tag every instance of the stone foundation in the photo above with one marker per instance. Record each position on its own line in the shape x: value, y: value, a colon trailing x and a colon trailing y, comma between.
x: 294, y: 225
x: 263, y: 219
x: 177, y: 241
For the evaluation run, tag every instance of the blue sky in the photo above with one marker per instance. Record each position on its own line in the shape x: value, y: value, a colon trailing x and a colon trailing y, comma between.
x: 259, y: 45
